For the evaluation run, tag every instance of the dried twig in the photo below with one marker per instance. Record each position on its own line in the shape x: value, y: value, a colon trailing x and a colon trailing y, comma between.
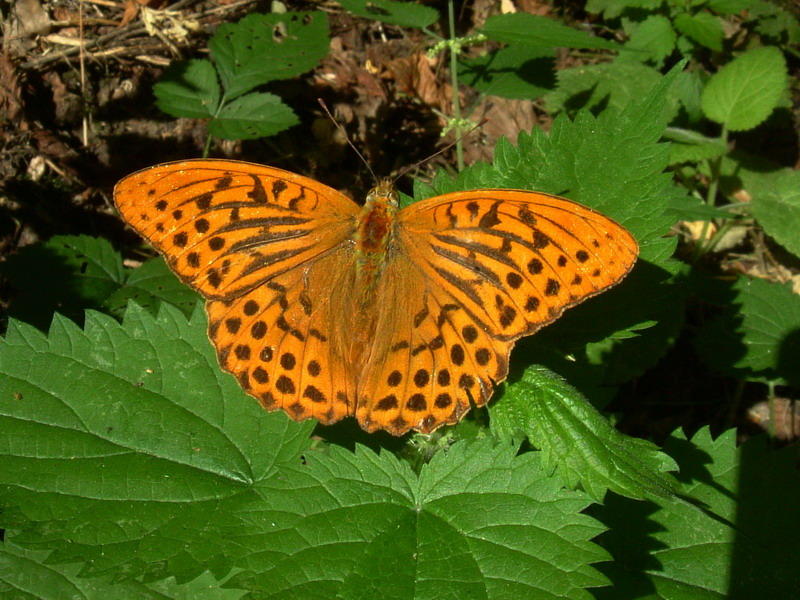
x: 129, y: 31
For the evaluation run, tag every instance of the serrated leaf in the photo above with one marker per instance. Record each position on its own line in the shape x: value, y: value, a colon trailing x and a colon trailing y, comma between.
x: 516, y: 72
x: 188, y: 89
x: 252, y: 116
x: 776, y: 205
x: 125, y: 449
x: 703, y: 28
x: 576, y: 441
x: 149, y: 285
x: 604, y: 85
x: 263, y: 48
x: 540, y: 32
x: 404, y: 14
x: 478, y: 522
x: 653, y: 40
x: 78, y: 272
x: 743, y: 93
x: 756, y: 335
x: 132, y: 448
x: 27, y: 574
x: 738, y: 542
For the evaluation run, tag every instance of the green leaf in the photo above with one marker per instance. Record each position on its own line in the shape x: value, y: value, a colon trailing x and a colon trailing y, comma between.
x: 478, y: 522
x: 745, y: 91
x: 576, y: 441
x: 518, y: 72
x: 28, y: 574
x: 653, y: 40
x: 252, y: 116
x: 133, y: 451
x: 738, y: 542
x: 77, y: 272
x: 612, y: 9
x: 703, y: 28
x: 124, y: 448
x: 730, y: 7
x: 689, y: 90
x: 263, y: 48
x: 604, y: 85
x: 149, y: 285
x: 774, y: 22
x: 188, y: 89
x: 690, y: 146
x: 776, y: 205
x: 540, y: 32
x: 756, y: 336
x: 404, y: 14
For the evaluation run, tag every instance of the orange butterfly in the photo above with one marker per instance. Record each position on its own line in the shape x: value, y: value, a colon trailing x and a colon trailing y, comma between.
x: 400, y: 318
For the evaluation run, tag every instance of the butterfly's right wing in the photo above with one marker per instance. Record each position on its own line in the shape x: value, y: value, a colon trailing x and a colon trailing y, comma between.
x: 472, y: 273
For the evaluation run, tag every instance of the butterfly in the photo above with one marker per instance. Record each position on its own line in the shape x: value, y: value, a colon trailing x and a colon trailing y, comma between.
x: 403, y: 319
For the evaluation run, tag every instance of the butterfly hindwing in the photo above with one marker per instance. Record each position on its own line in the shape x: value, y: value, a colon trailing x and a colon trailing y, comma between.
x: 282, y: 341
x: 431, y: 361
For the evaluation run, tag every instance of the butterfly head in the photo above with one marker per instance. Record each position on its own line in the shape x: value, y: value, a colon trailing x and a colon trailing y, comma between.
x: 384, y: 193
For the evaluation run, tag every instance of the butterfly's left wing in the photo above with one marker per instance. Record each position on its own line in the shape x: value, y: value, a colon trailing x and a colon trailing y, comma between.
x: 267, y: 249
x: 226, y: 227
x: 482, y: 269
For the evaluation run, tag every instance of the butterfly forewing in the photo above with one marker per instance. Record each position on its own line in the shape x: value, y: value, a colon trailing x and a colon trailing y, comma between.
x: 515, y: 259
x: 227, y: 227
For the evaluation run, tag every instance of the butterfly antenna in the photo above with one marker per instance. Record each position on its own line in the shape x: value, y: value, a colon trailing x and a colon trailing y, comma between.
x: 435, y: 154
x: 346, y: 137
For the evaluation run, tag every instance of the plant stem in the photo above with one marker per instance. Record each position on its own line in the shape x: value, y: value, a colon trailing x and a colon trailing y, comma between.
x: 454, y: 79
x: 714, y: 168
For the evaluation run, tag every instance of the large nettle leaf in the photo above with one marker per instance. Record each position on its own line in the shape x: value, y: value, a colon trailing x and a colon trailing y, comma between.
x: 127, y: 450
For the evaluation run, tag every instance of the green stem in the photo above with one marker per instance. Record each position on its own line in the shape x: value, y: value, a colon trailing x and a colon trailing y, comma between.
x: 771, y: 402
x: 454, y: 78
x: 207, y: 147
x: 713, y: 186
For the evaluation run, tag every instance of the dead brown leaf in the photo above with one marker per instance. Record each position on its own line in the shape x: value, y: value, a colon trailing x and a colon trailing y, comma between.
x: 785, y: 419
x: 414, y: 77
x: 10, y: 91
x: 504, y: 117
x: 26, y: 19
x: 130, y: 13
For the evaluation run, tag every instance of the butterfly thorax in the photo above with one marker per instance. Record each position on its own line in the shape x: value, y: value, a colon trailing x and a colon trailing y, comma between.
x: 375, y: 231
